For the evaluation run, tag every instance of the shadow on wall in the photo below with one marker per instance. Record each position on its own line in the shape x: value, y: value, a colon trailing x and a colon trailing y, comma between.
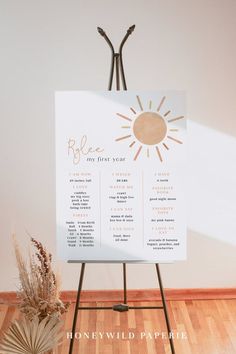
x: 210, y: 263
x: 211, y: 191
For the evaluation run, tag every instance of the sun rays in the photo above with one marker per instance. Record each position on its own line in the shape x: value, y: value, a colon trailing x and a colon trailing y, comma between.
x: 150, y: 129
x: 124, y: 117
x: 140, y: 103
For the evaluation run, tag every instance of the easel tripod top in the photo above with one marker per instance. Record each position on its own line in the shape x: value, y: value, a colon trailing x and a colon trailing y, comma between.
x: 116, y: 59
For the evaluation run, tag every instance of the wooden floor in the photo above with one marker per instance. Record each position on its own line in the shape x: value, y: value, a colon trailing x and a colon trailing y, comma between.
x: 210, y: 326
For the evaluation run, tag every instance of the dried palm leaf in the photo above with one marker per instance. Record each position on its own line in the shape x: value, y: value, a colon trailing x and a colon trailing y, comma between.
x: 32, y: 337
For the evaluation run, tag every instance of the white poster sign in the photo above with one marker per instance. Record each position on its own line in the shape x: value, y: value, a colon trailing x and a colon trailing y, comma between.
x: 120, y: 176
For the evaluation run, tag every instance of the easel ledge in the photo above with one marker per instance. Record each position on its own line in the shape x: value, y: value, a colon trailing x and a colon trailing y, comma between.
x: 116, y: 261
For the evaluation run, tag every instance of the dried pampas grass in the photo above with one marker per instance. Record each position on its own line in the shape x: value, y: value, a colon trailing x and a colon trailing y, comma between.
x: 39, y: 286
x: 31, y: 337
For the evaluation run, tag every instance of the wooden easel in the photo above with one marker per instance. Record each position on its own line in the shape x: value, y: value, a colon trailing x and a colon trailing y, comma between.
x: 117, y: 66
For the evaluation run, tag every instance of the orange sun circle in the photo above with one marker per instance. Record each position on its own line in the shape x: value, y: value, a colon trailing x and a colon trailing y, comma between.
x: 150, y: 128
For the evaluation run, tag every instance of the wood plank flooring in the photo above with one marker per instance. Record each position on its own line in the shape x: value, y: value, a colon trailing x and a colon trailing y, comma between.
x: 210, y: 327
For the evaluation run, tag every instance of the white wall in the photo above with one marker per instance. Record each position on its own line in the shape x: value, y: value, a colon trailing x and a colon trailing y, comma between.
x: 53, y: 45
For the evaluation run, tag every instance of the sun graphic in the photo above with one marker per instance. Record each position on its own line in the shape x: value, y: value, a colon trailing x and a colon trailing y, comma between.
x: 149, y: 129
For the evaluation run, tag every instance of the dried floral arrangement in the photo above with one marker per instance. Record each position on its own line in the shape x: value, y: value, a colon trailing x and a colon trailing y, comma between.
x: 39, y: 292
x: 40, y: 305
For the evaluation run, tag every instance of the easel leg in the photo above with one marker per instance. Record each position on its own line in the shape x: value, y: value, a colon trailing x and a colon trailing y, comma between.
x: 165, y: 309
x: 124, y: 283
x: 76, y: 307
